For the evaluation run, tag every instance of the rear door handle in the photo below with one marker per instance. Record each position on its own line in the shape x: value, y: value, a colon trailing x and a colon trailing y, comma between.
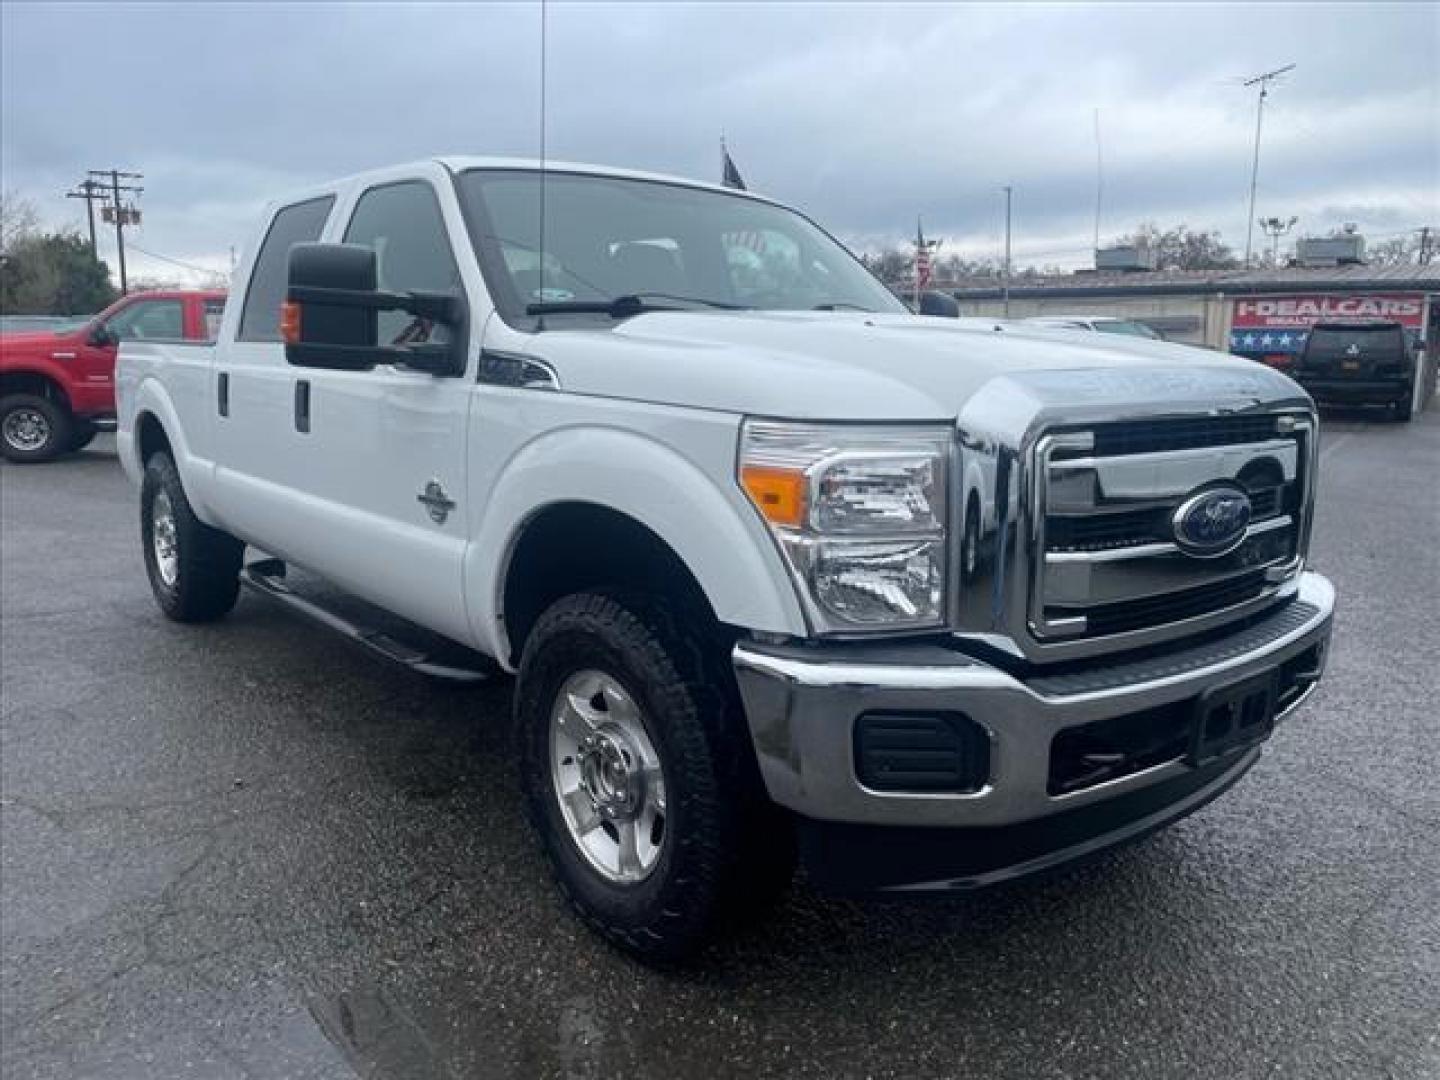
x: 222, y: 393
x: 302, y: 405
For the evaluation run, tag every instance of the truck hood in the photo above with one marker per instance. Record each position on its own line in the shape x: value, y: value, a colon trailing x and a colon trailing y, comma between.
x: 37, y: 341
x: 843, y: 365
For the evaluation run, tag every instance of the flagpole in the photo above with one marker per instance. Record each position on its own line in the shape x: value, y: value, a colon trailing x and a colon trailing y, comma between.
x: 919, y: 249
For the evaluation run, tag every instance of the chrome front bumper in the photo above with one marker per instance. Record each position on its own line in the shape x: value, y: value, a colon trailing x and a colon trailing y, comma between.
x: 802, y: 703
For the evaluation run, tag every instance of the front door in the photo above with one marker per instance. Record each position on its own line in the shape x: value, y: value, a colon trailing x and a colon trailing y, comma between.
x: 382, y: 462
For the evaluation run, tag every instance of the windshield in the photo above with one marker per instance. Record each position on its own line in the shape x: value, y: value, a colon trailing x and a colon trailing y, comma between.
x: 1124, y: 326
x: 608, y: 237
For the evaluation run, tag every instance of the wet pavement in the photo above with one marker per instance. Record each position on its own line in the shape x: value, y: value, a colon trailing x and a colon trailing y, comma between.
x: 246, y: 850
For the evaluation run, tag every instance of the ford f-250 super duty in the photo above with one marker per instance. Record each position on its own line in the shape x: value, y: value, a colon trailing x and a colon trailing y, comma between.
x: 780, y: 567
x: 57, y: 389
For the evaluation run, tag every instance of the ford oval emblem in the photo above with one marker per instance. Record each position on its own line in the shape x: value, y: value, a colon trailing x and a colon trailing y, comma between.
x: 1212, y: 522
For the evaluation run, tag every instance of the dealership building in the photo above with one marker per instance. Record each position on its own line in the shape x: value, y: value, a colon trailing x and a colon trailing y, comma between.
x: 1255, y: 313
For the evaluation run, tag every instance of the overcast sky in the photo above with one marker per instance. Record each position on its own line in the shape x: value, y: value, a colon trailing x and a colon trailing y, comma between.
x: 864, y: 115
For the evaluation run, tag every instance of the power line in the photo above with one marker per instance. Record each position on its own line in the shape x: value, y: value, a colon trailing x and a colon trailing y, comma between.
x: 176, y: 262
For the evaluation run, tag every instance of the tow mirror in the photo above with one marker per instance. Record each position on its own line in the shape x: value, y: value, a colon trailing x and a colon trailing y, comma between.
x: 938, y: 303
x: 330, y: 318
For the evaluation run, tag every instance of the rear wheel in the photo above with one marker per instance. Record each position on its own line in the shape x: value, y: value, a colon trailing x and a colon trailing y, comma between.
x: 33, y: 428
x: 638, y: 774
x: 194, y: 570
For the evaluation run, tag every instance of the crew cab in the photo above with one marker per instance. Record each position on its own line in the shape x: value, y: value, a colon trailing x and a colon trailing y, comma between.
x: 779, y: 568
x: 57, y: 386
x: 1360, y: 362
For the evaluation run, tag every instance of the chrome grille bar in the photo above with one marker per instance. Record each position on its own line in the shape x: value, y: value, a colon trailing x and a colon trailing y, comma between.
x: 1106, y: 561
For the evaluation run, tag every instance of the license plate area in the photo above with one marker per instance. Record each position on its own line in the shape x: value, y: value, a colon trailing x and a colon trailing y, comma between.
x: 1229, y: 719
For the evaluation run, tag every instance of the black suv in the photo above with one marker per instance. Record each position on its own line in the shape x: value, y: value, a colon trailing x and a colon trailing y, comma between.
x: 1358, y: 363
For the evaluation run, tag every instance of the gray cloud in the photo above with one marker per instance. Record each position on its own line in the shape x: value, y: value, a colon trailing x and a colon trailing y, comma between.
x: 863, y: 114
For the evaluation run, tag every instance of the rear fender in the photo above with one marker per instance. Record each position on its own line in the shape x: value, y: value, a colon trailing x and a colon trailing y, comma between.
x: 150, y: 398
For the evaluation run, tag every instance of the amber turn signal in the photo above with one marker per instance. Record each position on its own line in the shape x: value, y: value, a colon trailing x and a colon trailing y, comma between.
x: 290, y: 322
x: 779, y: 494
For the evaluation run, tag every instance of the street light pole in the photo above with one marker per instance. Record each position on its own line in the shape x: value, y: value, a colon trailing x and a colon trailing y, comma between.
x: 1005, y: 287
x: 1263, y: 81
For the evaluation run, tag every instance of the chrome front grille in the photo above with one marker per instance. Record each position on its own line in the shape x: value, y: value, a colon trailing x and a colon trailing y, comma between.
x: 1108, y: 563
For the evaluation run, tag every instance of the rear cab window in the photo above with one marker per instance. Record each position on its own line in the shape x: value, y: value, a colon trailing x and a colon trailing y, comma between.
x: 300, y: 223
x: 1336, y: 342
x: 211, y: 314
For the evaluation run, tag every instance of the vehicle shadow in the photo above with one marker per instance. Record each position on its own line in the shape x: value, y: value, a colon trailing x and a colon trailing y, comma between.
x: 461, y: 959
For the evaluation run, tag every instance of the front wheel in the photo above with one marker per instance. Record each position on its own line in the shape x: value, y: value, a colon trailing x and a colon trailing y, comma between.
x: 194, y: 570
x: 83, y: 435
x: 33, y: 428
x: 638, y: 775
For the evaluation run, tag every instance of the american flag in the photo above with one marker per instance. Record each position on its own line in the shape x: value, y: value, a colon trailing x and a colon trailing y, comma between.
x: 924, y: 249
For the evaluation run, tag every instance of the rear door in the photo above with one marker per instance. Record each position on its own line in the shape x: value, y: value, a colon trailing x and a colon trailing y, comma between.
x: 250, y: 407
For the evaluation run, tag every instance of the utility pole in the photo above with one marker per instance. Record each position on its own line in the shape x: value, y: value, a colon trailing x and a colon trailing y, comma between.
x: 1262, y: 81
x: 1005, y: 286
x: 92, y: 193
x: 119, y: 213
x: 1274, y: 228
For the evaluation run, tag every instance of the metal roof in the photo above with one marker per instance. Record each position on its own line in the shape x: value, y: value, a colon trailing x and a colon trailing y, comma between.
x: 1176, y: 282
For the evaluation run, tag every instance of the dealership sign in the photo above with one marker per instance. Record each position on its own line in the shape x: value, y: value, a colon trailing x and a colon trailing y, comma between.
x: 1298, y: 312
x: 1278, y: 324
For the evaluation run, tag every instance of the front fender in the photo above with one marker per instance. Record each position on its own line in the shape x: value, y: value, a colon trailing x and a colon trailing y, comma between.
x: 709, y: 525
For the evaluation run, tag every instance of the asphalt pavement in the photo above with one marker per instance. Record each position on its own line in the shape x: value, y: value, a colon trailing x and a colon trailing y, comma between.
x: 247, y: 850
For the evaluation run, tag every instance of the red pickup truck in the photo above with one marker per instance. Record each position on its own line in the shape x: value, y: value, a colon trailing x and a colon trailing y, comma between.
x: 58, y: 389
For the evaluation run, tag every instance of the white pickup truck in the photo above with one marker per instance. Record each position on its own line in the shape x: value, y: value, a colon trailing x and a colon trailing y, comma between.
x: 781, y: 569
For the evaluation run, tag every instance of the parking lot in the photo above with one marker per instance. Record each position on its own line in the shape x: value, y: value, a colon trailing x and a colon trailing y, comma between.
x: 246, y: 850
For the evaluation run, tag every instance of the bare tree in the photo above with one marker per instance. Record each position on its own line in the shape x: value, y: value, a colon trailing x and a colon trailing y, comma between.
x: 1401, y: 251
x: 18, y: 220
x: 1183, y: 248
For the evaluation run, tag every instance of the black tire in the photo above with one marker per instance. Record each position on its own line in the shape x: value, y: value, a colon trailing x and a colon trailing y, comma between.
x: 83, y: 435
x: 1404, y: 409
x: 728, y: 852
x: 206, y: 566
x: 33, y: 428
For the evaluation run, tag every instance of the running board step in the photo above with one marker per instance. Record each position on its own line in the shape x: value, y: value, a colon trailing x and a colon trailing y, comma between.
x: 267, y: 578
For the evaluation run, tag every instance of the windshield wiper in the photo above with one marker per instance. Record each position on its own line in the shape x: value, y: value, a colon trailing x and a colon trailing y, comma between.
x: 842, y: 305
x: 623, y: 307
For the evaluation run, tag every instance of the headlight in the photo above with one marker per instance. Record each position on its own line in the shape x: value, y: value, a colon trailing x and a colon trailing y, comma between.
x: 859, y: 512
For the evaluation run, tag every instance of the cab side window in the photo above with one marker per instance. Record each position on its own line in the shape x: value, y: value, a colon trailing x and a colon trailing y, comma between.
x: 402, y: 223
x: 149, y: 320
x: 299, y: 224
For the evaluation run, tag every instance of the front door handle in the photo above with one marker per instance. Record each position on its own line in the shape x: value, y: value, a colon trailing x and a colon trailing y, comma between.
x: 222, y: 393
x: 302, y: 405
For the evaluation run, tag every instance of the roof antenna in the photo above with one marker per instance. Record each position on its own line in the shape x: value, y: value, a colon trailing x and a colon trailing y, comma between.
x: 540, y: 317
